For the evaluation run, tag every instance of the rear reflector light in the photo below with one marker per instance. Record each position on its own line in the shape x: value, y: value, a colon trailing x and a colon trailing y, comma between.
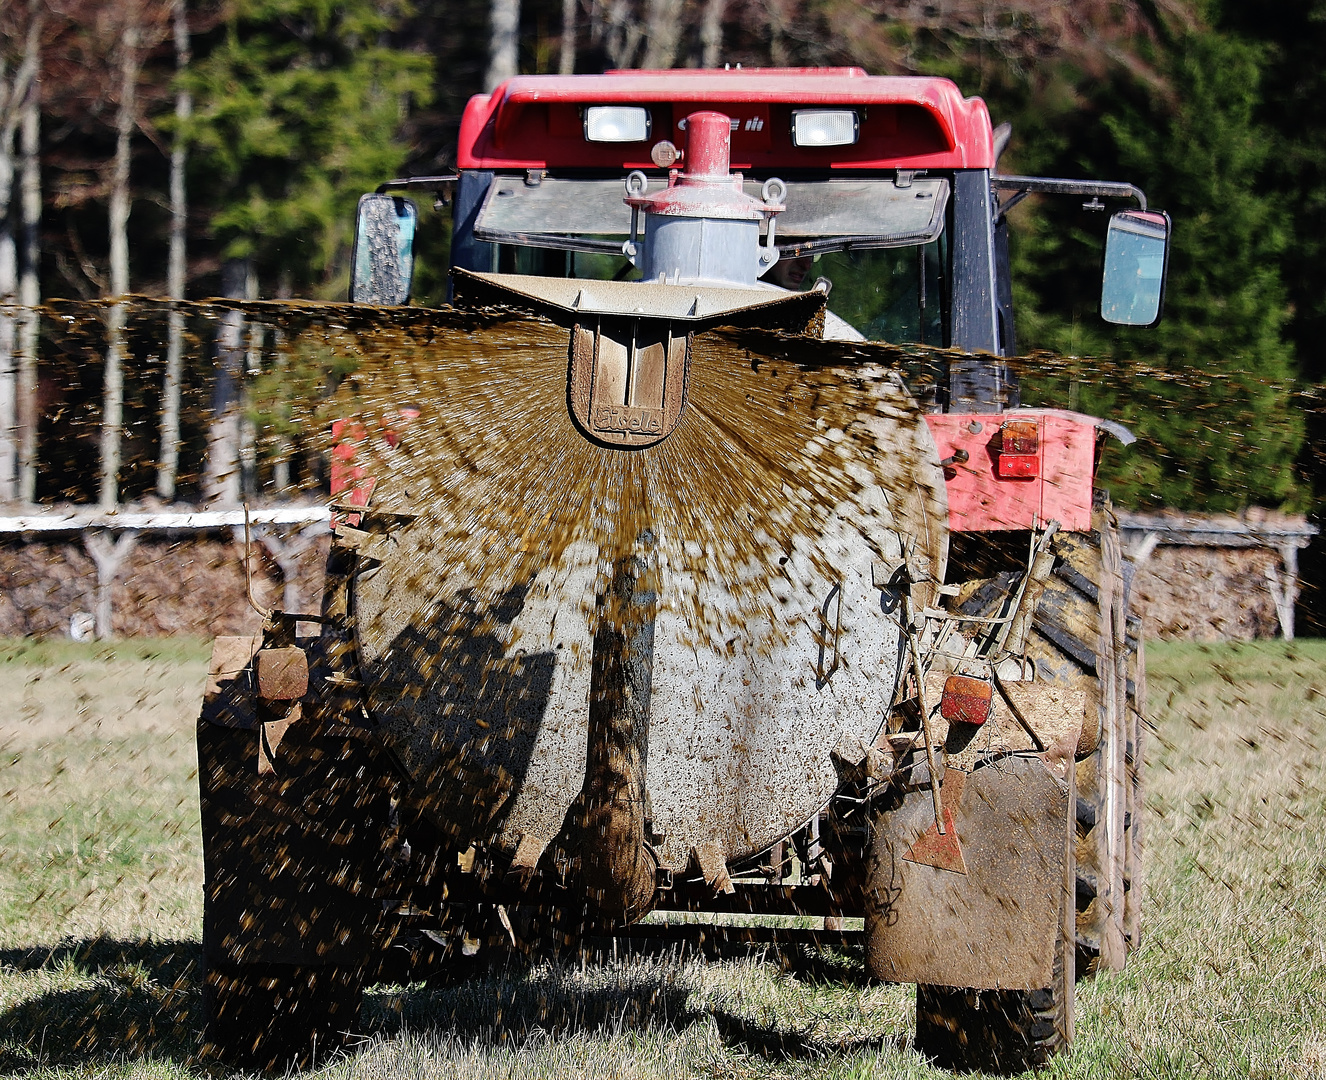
x: 616, y: 124
x: 1018, y: 466
x: 966, y: 700
x: 824, y: 127
x: 1019, y: 449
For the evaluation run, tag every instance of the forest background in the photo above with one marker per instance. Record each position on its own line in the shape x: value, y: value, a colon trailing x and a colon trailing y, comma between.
x: 195, y: 148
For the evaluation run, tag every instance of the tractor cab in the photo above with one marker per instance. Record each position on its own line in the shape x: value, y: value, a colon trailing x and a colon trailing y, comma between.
x: 886, y: 189
x: 725, y: 188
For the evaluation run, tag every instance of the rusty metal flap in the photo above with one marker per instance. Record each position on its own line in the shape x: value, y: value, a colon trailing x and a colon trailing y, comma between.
x: 994, y: 927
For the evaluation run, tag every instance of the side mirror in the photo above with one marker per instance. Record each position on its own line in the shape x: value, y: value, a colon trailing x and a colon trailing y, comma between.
x: 1132, y: 289
x: 382, y: 262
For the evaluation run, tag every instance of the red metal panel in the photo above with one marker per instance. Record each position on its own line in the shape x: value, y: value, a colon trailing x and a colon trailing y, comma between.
x: 350, y: 482
x: 981, y: 500
x: 532, y: 121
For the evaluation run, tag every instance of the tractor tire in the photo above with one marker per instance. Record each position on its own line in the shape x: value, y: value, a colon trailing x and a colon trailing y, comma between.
x: 278, y: 1017
x: 1004, y: 1032
x: 1083, y: 635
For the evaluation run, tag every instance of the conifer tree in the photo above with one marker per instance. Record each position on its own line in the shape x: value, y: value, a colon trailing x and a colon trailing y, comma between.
x: 1218, y: 428
x: 1293, y: 108
x: 298, y: 105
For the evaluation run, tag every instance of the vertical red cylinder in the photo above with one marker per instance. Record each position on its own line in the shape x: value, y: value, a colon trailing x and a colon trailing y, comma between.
x: 708, y: 144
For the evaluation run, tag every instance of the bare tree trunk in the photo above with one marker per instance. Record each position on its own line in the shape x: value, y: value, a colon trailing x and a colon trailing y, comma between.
x: 13, y: 95
x: 285, y: 449
x: 778, y: 52
x: 8, y: 320
x: 614, y: 27
x: 175, y: 285
x: 504, y: 44
x: 222, y: 478
x: 112, y: 414
x: 248, y: 432
x: 711, y: 33
x: 566, y: 64
x: 29, y: 292
x: 109, y: 558
x: 663, y: 29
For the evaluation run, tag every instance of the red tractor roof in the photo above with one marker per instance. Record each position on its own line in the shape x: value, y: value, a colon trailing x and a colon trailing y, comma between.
x: 534, y: 121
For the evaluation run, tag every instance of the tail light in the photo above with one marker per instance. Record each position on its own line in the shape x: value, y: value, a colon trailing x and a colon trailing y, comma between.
x: 966, y: 700
x: 1019, y: 451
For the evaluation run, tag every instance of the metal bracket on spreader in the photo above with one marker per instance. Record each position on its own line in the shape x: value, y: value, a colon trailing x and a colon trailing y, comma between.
x: 942, y: 851
x: 629, y: 379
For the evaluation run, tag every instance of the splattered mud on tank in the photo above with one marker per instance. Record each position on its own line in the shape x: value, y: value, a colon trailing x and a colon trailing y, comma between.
x: 500, y: 528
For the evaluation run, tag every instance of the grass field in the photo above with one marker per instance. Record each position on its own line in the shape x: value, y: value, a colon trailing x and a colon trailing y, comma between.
x: 100, y: 908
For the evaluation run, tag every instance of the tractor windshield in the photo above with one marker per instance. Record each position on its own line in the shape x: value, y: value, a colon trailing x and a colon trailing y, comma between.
x: 879, y: 241
x: 887, y: 294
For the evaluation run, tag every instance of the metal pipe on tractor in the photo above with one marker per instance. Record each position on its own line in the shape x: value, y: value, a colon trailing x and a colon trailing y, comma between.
x: 646, y: 596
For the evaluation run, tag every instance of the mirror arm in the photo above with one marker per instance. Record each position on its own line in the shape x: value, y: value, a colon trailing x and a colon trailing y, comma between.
x: 1025, y: 185
x: 416, y: 182
x: 1008, y: 204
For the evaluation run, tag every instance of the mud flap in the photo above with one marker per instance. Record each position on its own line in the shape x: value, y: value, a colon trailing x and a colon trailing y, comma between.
x: 294, y: 862
x: 995, y: 926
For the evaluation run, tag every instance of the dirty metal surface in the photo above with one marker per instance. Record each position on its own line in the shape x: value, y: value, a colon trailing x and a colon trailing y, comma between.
x: 628, y: 379
x: 796, y: 465
x: 994, y: 927
x: 265, y: 853
x: 692, y: 304
x: 1054, y: 711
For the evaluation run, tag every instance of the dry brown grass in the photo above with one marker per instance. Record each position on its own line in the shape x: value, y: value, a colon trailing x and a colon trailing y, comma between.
x: 100, y: 909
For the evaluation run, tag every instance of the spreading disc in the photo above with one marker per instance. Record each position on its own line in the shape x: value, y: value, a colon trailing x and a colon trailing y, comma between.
x: 794, y: 472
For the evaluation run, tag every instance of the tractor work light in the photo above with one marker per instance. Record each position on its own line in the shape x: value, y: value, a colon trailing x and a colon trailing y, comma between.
x: 824, y: 127
x: 1019, y: 451
x: 616, y: 124
x: 966, y: 700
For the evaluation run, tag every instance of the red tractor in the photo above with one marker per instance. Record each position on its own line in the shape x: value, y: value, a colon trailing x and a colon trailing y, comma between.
x: 664, y: 580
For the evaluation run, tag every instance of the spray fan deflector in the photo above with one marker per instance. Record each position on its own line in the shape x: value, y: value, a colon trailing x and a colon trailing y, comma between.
x: 628, y: 375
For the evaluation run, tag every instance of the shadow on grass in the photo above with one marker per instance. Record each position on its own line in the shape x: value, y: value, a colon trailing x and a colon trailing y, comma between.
x: 129, y: 1000
x: 642, y: 992
x: 117, y: 1001
x: 843, y: 965
x: 773, y: 1044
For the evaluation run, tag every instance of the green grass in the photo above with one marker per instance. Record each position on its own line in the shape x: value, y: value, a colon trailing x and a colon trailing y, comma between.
x: 100, y: 908
x: 58, y: 652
